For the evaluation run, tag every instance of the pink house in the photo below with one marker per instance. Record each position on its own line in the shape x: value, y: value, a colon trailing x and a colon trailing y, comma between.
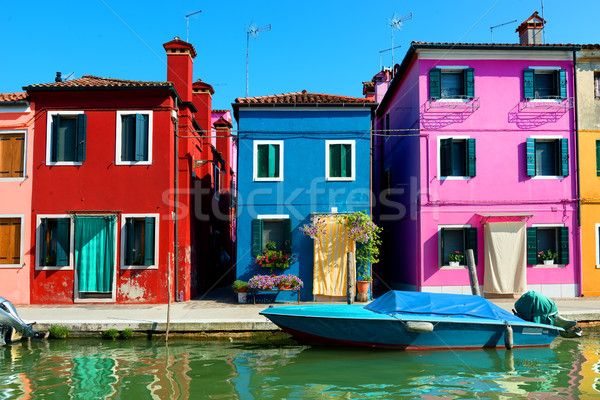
x: 475, y: 148
x: 16, y: 168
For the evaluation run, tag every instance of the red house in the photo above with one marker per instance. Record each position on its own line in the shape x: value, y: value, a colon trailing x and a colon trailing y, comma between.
x: 113, y: 213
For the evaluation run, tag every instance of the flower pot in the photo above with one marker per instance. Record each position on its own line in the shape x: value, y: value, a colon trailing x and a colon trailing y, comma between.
x: 281, y: 287
x: 548, y: 262
x: 242, y: 297
x: 454, y: 263
x: 362, y: 286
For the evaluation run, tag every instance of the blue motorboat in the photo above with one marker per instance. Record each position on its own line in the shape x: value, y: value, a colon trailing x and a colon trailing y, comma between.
x: 412, y: 321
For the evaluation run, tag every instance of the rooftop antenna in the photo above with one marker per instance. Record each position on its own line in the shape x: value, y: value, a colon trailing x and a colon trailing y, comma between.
x: 396, y: 22
x: 496, y: 26
x: 187, y: 20
x: 543, y: 25
x: 383, y: 51
x: 252, y: 30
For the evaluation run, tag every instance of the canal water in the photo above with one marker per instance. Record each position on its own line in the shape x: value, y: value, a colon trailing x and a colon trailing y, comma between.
x: 242, y: 369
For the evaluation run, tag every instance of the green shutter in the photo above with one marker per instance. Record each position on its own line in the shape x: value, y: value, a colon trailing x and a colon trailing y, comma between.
x: 62, y: 241
x: 43, y: 235
x: 561, y: 77
x: 435, y: 81
x: 442, y: 251
x: 343, y: 161
x: 528, y: 91
x: 471, y: 170
x: 257, y: 237
x: 129, y: 241
x: 532, y: 251
x: 564, y: 157
x: 272, y: 159
x: 141, y: 137
x: 471, y: 242
x: 597, y: 157
x: 335, y: 167
x: 563, y: 245
x: 469, y: 82
x: 54, y: 138
x: 446, y: 156
x: 80, y: 137
x: 287, y: 236
x: 530, y: 157
x: 149, y: 241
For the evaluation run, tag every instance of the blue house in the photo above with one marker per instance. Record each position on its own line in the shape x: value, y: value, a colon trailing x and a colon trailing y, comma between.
x: 301, y: 155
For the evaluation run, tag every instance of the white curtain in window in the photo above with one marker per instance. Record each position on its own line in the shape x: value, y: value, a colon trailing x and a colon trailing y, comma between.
x: 505, y: 258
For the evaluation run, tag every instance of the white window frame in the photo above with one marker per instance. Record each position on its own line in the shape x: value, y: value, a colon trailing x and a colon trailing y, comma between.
x: 124, y: 240
x: 439, y: 235
x: 542, y: 70
x: 12, y: 132
x: 21, y: 245
x: 555, y: 265
x: 119, y: 130
x: 352, y: 144
x: 38, y: 256
x: 49, y: 161
x: 451, y: 68
x: 439, y: 159
x: 548, y: 139
x: 255, y: 160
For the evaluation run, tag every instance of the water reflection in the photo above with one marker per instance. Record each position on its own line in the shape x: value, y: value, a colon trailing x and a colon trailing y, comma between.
x: 93, y: 369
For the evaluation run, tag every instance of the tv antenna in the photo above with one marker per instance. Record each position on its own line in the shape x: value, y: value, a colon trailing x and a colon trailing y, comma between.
x: 396, y: 22
x: 187, y: 21
x: 383, y: 51
x: 497, y: 26
x: 254, y: 31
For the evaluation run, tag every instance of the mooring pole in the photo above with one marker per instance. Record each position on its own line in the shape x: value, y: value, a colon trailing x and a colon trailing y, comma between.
x: 168, y: 301
x: 350, y: 277
x: 472, y: 273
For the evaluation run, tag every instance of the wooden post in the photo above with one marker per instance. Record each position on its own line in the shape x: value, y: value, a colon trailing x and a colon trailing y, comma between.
x: 350, y: 278
x: 168, y: 302
x: 472, y: 273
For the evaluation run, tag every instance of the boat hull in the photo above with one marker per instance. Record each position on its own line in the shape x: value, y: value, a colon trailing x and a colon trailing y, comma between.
x: 354, y: 326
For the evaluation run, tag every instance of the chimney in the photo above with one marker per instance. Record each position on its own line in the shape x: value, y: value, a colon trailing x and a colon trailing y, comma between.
x: 180, y: 67
x: 530, y: 30
x: 202, y: 98
x: 58, y: 77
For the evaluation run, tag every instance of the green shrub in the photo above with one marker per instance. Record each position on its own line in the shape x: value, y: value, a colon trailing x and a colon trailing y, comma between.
x: 110, y: 334
x: 59, y: 332
x: 126, y: 334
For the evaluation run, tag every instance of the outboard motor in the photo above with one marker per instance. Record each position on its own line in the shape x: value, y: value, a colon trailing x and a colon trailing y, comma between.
x: 535, y: 307
x: 9, y: 318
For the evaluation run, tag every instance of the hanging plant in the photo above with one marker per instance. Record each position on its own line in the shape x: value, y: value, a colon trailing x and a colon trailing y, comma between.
x: 366, y: 234
x: 316, y: 229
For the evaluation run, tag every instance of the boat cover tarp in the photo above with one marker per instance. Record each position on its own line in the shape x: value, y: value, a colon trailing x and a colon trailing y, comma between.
x: 535, y: 307
x: 439, y: 304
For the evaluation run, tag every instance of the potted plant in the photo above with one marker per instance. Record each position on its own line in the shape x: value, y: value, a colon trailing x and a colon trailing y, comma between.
x: 295, y: 282
x: 283, y: 282
x: 363, y: 279
x: 548, y: 257
x: 455, y: 258
x: 261, y: 282
x: 273, y: 258
x: 241, y: 288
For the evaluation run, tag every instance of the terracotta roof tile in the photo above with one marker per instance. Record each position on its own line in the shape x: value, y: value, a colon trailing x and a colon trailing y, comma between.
x: 89, y: 81
x: 506, y: 45
x: 13, y: 97
x: 302, y: 98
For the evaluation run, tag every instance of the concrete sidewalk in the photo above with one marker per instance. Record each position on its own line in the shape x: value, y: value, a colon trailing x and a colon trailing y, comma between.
x: 217, y: 314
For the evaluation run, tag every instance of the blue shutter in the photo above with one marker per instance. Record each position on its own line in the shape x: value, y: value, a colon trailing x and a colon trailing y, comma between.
x: 564, y: 157
x: 562, y: 83
x: 469, y: 82
x: 563, y: 245
x: 80, y: 137
x: 530, y: 157
x: 446, y: 161
x: 257, y: 234
x: 532, y: 252
x: 435, y: 80
x: 471, y: 170
x: 141, y: 137
x: 471, y: 242
x: 528, y: 88
x: 149, y: 241
x: 43, y: 252
x: 129, y: 241
x: 287, y: 236
x: 54, y: 138
x: 62, y: 241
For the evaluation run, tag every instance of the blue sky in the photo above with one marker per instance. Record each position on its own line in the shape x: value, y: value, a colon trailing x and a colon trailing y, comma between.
x: 325, y: 46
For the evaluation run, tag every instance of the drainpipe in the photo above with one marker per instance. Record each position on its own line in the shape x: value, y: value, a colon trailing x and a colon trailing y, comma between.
x: 578, y: 193
x: 176, y: 238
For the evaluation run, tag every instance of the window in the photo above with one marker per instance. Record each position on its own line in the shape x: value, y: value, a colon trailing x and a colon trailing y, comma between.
x: 139, y: 238
x: 217, y: 181
x: 271, y: 228
x: 539, y: 83
x: 268, y: 160
x: 54, y: 242
x: 451, y: 83
x: 547, y: 157
x: 597, y: 84
x: 12, y: 154
x: 544, y: 238
x: 10, y: 241
x: 457, y: 238
x: 66, y: 137
x: 597, y: 157
x: 457, y: 157
x: 134, y: 137
x: 339, y: 160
